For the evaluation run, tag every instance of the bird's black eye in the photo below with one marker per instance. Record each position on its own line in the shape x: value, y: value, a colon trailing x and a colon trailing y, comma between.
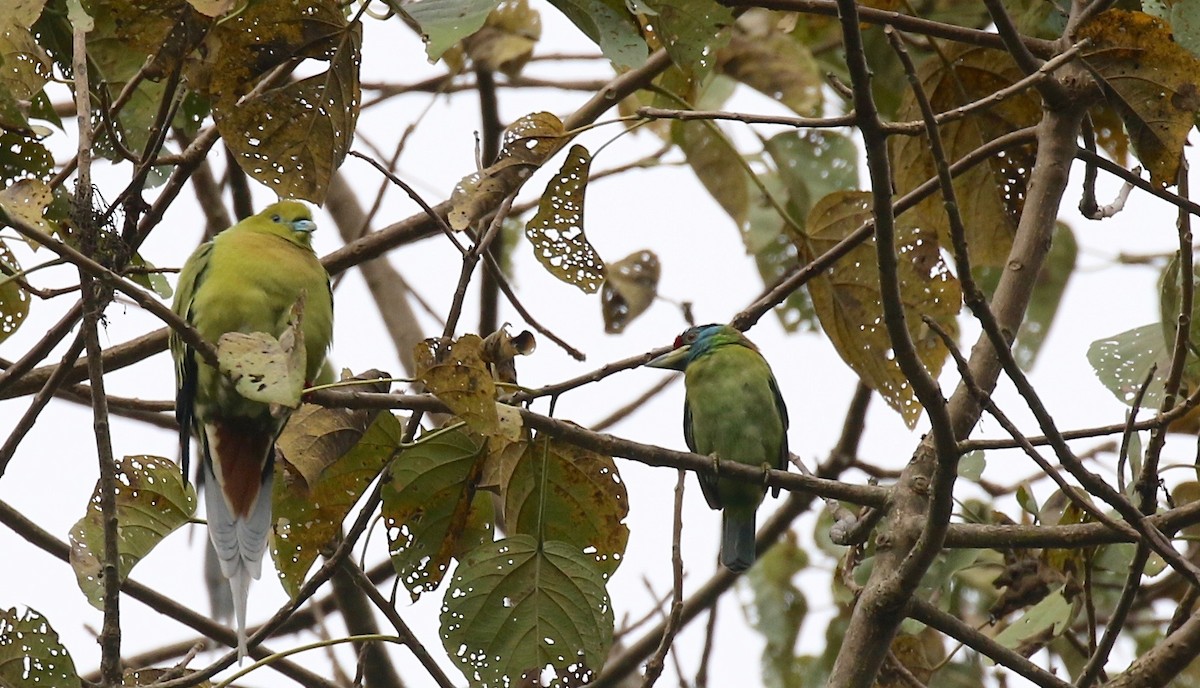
x: 689, y: 336
x: 275, y: 218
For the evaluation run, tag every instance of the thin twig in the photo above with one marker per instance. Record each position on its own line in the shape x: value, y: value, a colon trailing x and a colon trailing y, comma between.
x: 654, y: 667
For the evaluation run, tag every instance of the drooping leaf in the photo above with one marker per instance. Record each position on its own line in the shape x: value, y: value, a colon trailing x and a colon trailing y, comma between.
x: 14, y: 300
x: 456, y: 374
x: 629, y: 288
x: 717, y: 164
x: 692, y: 31
x: 558, y: 491
x: 31, y: 654
x: 848, y: 302
x: 291, y: 137
x: 153, y: 499
x: 24, y: 70
x: 517, y: 612
x: 1183, y: 16
x: 773, y: 63
x: 1122, y: 361
x: 146, y: 275
x: 505, y: 41
x: 556, y: 230
x: 445, y: 22
x: 22, y: 156
x: 527, y: 143
x: 1047, y: 294
x: 1153, y: 84
x: 308, y: 510
x: 28, y: 200
x: 1044, y: 620
x: 500, y: 351
x: 611, y: 25
x: 429, y: 507
x: 779, y: 609
x: 264, y: 368
x: 991, y: 195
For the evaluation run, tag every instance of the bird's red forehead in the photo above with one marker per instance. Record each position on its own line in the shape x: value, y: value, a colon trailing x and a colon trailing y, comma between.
x: 678, y: 342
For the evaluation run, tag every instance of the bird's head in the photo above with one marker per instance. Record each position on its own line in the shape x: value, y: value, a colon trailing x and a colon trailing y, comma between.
x: 291, y: 220
x: 696, y: 341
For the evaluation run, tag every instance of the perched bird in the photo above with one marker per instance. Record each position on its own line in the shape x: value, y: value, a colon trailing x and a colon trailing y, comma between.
x: 246, y: 279
x: 733, y: 412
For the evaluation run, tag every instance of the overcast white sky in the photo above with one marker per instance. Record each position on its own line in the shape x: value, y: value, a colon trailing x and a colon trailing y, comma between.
x: 663, y: 209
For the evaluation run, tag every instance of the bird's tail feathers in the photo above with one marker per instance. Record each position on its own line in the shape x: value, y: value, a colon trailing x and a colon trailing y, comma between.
x: 737, y: 540
x: 239, y: 518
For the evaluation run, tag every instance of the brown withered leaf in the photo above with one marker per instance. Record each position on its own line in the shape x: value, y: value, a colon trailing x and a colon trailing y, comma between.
x: 1154, y: 85
x: 629, y: 289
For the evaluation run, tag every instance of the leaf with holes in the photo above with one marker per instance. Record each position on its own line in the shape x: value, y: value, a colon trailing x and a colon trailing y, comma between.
x: 1153, y: 85
x: 153, y: 500
x: 516, y: 611
x: 27, y: 200
x: 455, y: 372
x: 307, y: 512
x: 27, y: 68
x: 527, y: 143
x: 629, y: 289
x: 991, y: 195
x: 556, y: 231
x: 428, y: 504
x: 1123, y: 361
x: 848, y: 302
x: 31, y: 654
x: 21, y: 157
x: 14, y: 300
x: 692, y: 32
x: 292, y: 137
x: 558, y: 491
x: 263, y: 368
x: 610, y: 25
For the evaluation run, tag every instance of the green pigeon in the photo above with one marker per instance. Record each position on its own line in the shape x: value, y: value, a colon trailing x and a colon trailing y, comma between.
x: 732, y: 411
x: 247, y: 279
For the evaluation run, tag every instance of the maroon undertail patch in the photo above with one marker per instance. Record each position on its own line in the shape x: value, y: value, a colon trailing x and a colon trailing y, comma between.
x: 241, y: 454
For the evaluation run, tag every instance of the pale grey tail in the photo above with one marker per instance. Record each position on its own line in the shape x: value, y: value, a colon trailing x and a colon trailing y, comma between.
x: 737, y: 541
x: 239, y: 544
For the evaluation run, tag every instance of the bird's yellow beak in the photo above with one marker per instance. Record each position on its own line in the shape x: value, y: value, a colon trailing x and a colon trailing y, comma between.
x: 675, y: 359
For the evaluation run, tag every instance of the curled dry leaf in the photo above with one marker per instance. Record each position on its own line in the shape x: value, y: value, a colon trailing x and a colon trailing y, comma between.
x: 629, y: 288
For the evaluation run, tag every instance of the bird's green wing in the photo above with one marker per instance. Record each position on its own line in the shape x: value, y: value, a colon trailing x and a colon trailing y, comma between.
x: 708, y: 483
x: 781, y: 408
x: 185, y: 359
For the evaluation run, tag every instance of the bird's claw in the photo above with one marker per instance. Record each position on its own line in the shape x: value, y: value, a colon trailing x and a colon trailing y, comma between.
x: 766, y: 473
x: 716, y: 464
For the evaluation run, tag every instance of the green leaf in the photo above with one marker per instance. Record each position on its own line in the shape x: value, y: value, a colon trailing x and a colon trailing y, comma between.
x: 971, y: 465
x: 428, y: 506
x: 717, y: 164
x: 514, y: 608
x: 692, y: 31
x: 22, y: 13
x: 1123, y: 360
x: 556, y: 230
x: 24, y: 70
x: 558, y: 491
x: 30, y: 653
x: 445, y: 22
x: 1026, y: 500
x: 22, y: 156
x: 1184, y: 18
x: 990, y: 195
x: 778, y: 610
x: 28, y: 200
x: 630, y: 286
x: 153, y: 499
x: 149, y: 278
x: 1153, y: 85
x: 327, y: 462
x: 847, y: 298
x: 611, y: 26
x: 506, y: 40
x: 14, y: 300
x: 773, y: 63
x: 814, y: 164
x: 1052, y: 615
